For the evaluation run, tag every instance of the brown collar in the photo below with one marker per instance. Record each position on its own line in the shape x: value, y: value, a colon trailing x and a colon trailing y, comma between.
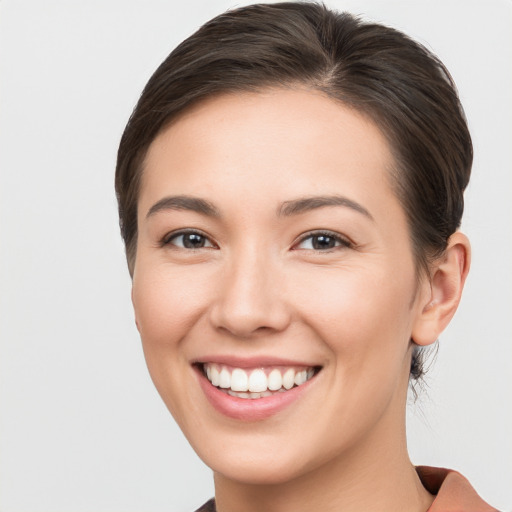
x: 453, y: 492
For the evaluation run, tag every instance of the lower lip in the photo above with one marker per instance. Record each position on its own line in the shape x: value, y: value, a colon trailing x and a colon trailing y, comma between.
x: 250, y: 409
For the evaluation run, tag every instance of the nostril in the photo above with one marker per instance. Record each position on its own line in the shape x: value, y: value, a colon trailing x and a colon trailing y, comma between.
x: 248, y: 324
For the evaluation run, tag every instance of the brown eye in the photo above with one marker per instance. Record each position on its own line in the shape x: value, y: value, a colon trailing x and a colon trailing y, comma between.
x: 189, y: 240
x: 322, y: 242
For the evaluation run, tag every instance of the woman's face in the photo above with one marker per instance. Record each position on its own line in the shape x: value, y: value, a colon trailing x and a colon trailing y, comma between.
x: 272, y: 251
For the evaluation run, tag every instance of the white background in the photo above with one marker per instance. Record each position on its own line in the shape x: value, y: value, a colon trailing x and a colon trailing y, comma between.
x: 81, y: 427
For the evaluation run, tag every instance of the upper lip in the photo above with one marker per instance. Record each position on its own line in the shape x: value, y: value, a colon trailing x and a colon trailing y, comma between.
x: 253, y: 362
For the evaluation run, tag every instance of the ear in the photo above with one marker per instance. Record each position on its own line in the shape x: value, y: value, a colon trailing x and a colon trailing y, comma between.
x: 444, y: 290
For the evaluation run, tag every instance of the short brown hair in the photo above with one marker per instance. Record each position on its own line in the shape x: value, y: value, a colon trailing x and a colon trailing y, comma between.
x: 375, y: 69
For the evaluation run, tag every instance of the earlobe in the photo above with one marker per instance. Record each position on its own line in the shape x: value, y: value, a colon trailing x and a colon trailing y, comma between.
x: 446, y: 284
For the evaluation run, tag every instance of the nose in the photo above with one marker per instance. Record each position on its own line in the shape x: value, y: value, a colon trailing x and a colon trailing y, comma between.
x: 251, y: 299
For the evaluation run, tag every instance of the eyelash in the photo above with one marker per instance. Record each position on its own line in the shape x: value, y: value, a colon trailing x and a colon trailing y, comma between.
x: 340, y: 242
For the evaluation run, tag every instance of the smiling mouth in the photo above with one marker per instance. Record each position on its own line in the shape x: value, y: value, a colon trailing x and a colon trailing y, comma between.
x: 256, y: 382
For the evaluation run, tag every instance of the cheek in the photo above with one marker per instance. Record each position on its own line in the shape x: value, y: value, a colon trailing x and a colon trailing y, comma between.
x: 364, y: 317
x: 167, y: 303
x: 365, y: 322
x: 168, y: 306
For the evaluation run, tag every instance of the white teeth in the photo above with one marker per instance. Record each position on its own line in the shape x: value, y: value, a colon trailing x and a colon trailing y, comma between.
x: 239, y: 380
x: 224, y: 379
x: 257, y: 381
x: 248, y: 395
x: 257, y: 384
x: 214, y: 374
x: 289, y: 379
x: 301, y: 377
x: 275, y: 380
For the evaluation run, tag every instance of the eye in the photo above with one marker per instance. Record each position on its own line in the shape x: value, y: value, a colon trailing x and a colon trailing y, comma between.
x: 188, y: 240
x: 322, y: 241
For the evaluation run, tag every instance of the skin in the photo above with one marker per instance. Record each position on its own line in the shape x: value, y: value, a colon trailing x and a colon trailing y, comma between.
x: 259, y: 288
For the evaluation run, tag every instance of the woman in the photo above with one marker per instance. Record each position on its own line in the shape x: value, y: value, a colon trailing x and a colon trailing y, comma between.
x: 290, y: 187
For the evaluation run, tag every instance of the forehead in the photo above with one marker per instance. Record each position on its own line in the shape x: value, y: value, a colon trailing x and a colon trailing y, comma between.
x: 294, y: 142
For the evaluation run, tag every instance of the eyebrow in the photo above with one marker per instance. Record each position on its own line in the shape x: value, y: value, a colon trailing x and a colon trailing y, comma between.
x: 288, y: 208
x: 306, y: 204
x: 193, y: 204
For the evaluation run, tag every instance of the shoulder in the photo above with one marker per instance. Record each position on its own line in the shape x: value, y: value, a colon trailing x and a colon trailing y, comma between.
x: 209, y: 506
x: 453, y: 491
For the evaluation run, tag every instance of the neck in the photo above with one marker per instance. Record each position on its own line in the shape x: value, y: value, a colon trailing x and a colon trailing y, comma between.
x: 387, y: 487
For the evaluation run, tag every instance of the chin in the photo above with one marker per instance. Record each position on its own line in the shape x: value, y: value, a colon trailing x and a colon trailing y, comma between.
x: 259, y: 459
x: 258, y: 471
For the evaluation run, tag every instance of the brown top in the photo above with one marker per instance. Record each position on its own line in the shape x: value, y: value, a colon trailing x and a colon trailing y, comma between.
x: 453, y: 492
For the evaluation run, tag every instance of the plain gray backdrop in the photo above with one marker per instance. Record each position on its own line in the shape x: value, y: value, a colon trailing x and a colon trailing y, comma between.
x: 81, y: 427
